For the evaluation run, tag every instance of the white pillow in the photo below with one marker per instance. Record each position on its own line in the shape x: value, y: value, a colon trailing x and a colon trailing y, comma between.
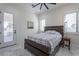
x: 51, y: 32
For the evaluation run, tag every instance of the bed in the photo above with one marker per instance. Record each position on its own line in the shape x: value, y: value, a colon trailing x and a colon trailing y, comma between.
x: 42, y: 49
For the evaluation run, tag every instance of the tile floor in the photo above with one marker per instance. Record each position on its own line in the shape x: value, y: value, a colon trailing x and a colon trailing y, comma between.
x: 74, y: 51
x: 14, y: 51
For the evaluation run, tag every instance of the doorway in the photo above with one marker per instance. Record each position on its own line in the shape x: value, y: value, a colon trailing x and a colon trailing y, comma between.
x: 7, y: 34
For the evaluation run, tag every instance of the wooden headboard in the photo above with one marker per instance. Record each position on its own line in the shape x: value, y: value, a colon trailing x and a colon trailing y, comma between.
x: 56, y: 28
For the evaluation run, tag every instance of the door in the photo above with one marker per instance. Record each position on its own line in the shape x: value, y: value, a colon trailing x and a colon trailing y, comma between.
x: 7, y: 34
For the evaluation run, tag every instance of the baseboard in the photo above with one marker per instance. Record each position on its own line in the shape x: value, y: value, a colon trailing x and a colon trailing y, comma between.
x: 7, y: 46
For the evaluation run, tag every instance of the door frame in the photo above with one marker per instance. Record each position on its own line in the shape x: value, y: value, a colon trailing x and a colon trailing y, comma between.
x: 14, y: 35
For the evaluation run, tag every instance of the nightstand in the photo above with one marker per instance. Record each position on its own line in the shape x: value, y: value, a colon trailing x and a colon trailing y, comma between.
x: 67, y: 42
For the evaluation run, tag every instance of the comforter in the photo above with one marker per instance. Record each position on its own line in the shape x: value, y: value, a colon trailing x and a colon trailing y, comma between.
x: 47, y: 39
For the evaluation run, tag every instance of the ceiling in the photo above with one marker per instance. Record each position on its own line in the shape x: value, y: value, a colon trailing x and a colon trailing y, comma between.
x: 28, y: 6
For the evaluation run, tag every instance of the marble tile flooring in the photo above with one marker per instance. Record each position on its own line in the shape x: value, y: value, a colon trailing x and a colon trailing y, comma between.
x: 14, y: 51
x: 74, y: 51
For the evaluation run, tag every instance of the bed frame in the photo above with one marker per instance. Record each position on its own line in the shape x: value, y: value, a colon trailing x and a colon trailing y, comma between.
x: 42, y: 50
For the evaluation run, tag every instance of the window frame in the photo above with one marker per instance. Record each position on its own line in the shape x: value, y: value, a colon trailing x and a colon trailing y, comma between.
x: 76, y: 21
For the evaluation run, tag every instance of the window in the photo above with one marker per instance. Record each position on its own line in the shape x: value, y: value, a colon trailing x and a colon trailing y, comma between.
x: 70, y: 22
x: 42, y: 24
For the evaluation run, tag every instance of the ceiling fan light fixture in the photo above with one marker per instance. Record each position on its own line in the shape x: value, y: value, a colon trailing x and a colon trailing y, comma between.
x: 41, y: 4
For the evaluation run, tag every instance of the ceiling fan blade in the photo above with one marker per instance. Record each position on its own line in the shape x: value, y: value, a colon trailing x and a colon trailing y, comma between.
x: 40, y: 6
x: 52, y: 3
x: 35, y: 5
x: 46, y: 6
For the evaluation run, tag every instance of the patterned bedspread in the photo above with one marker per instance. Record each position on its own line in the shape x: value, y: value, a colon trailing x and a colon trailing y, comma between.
x: 50, y: 40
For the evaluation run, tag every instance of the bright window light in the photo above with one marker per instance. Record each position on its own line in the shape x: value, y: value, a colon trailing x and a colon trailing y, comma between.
x: 70, y: 22
x: 42, y: 24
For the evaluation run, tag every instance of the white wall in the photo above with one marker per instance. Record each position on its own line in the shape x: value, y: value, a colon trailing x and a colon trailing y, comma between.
x: 21, y: 17
x: 56, y: 17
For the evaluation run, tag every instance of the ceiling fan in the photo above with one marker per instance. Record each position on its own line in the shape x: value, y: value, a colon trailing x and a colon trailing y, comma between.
x: 41, y: 4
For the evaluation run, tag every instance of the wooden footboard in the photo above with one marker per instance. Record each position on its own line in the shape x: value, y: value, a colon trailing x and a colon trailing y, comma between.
x: 36, y: 48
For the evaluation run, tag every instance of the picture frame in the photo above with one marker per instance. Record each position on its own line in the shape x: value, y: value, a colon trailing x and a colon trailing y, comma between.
x: 30, y: 25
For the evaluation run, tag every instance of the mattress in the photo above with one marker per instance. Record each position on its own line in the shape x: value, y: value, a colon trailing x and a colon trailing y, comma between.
x: 49, y: 40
